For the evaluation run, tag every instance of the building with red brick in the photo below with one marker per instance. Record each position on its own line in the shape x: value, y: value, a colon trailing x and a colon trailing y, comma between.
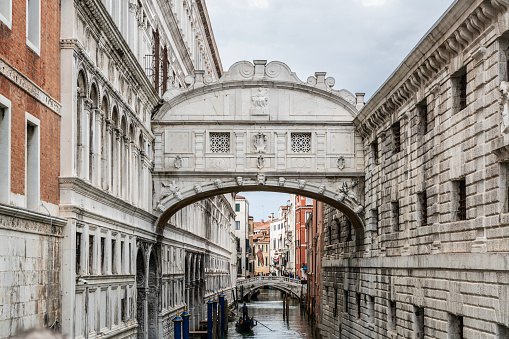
x: 303, y: 209
x: 314, y: 251
x: 261, y: 246
x: 30, y: 117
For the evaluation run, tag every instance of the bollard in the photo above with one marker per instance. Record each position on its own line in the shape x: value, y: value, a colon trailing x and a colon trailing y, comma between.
x: 177, y: 327
x: 221, y: 314
x: 209, y: 319
x: 284, y: 308
x: 287, y: 307
x: 226, y: 316
x: 214, y: 319
x: 185, y: 322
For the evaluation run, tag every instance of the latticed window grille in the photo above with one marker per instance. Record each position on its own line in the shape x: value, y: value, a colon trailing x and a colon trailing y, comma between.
x: 219, y: 142
x: 462, y: 199
x: 301, y: 142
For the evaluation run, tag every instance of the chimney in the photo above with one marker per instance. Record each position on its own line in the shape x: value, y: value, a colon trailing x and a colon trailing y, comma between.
x: 263, y: 221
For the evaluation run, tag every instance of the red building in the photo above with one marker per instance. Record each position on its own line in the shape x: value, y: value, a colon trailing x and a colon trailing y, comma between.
x: 314, y: 252
x: 303, y: 209
x: 30, y: 114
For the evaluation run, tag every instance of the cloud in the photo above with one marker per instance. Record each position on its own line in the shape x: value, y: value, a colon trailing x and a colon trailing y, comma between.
x: 259, y: 4
x: 372, y: 3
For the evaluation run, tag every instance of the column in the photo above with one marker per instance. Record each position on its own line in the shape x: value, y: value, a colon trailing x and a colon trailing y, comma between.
x: 97, y: 148
x: 106, y: 155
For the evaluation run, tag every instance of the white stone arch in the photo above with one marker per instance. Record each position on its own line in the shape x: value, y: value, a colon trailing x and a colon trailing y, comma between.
x: 260, y: 107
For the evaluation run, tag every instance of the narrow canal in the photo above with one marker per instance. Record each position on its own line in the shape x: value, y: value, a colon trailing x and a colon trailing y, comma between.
x: 268, y: 310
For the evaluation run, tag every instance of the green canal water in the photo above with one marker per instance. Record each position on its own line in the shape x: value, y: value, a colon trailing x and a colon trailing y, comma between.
x: 269, y: 311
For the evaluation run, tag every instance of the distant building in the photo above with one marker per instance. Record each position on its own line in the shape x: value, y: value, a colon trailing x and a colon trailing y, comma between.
x: 241, y: 231
x: 303, y: 210
x: 261, y: 246
x: 314, y: 252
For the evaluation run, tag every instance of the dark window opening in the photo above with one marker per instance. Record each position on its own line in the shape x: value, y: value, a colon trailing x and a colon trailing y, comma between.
x: 90, y: 254
x: 462, y: 199
x: 374, y: 150
x: 455, y: 326
x: 349, y: 230
x: 78, y: 252
x: 418, y: 322
x: 358, y: 304
x: 113, y: 256
x: 463, y: 91
x: 345, y: 301
x: 335, y: 311
x: 103, y: 261
x: 395, y: 215
x: 422, y: 111
x: 396, y: 132
x: 130, y: 258
x: 423, y: 201
x: 122, y: 255
x: 123, y: 309
x: 392, y: 315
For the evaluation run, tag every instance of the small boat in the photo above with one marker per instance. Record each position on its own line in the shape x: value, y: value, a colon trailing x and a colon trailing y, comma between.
x: 231, y: 316
x: 245, y: 325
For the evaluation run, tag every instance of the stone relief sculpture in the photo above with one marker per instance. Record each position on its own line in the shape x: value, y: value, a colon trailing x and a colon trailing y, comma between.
x: 218, y: 183
x: 261, y: 179
x: 341, y: 162
x: 321, y: 189
x: 260, y: 162
x: 281, y: 181
x: 260, y: 142
x: 302, y: 183
x: 198, y: 189
x: 504, y: 106
x: 260, y: 99
x: 347, y: 191
x: 178, y: 162
x: 240, y: 181
x: 168, y: 190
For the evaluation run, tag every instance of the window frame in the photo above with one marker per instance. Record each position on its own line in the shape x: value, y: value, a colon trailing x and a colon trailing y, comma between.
x: 34, y: 45
x: 35, y: 185
x: 5, y: 157
x: 7, y: 20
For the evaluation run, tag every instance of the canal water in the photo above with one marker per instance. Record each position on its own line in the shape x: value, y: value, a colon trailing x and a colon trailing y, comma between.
x: 269, y: 311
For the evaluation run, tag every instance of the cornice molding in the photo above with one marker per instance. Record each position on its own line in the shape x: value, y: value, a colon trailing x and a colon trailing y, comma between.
x: 30, y: 87
x: 449, y: 38
x: 26, y: 214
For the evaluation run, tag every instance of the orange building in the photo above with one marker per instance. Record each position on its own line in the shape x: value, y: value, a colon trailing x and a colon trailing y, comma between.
x: 261, y: 247
x: 303, y: 210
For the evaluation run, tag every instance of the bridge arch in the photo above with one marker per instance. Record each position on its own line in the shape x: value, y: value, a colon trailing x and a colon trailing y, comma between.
x: 258, y: 128
x: 285, y: 284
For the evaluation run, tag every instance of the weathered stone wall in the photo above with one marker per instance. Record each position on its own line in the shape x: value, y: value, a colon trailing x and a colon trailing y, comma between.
x: 30, y: 269
x: 422, y: 268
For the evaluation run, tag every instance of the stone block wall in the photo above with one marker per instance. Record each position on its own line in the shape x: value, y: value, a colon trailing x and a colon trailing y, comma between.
x: 30, y: 268
x: 432, y: 260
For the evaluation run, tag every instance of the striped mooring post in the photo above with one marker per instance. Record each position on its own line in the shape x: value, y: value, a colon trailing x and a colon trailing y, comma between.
x: 177, y: 324
x: 209, y: 319
x: 185, y: 317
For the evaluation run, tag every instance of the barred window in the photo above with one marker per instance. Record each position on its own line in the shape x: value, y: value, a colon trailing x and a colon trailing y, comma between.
x: 396, y: 133
x: 301, y: 142
x: 219, y: 142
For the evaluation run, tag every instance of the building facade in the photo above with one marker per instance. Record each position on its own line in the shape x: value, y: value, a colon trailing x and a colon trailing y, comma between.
x: 261, y: 247
x: 430, y: 261
x: 30, y: 120
x: 122, y: 275
x: 303, y: 210
x: 241, y: 231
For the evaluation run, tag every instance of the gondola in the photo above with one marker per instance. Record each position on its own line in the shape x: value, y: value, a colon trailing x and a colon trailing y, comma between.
x: 245, y: 325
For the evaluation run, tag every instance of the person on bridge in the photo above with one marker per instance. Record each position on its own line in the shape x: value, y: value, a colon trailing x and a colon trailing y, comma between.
x: 244, y: 311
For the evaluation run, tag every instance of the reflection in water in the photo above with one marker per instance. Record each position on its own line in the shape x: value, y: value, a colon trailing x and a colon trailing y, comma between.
x: 269, y: 311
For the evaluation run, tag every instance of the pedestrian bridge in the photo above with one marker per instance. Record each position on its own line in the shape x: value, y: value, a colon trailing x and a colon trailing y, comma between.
x: 258, y: 128
x: 289, y: 285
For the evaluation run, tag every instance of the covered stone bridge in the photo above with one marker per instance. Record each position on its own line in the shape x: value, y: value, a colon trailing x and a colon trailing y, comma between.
x: 285, y: 284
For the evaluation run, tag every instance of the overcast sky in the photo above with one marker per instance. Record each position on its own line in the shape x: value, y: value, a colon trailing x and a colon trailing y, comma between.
x: 358, y: 42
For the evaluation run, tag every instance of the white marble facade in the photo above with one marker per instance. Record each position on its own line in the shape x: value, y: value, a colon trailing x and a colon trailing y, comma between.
x: 122, y: 275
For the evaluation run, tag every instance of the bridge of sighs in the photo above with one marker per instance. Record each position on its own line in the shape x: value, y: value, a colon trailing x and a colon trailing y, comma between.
x: 258, y: 128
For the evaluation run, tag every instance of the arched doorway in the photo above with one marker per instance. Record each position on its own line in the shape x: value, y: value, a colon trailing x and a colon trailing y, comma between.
x: 152, y: 297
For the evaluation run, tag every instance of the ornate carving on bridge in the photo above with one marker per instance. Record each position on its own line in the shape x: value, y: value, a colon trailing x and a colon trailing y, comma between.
x: 218, y: 183
x: 341, y: 162
x: 260, y: 142
x: 302, y: 183
x: 261, y: 179
x: 321, y: 189
x: 260, y: 162
x: 198, y: 189
x: 281, y: 181
x: 167, y: 191
x: 260, y: 102
x: 240, y: 181
x: 178, y: 162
